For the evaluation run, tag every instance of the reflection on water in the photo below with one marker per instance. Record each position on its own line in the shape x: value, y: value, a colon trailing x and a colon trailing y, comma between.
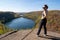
x: 21, y: 23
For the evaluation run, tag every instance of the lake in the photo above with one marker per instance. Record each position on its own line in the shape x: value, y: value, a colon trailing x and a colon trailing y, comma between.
x: 20, y: 23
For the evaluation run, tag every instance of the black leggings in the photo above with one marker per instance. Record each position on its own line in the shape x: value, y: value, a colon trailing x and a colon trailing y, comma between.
x: 43, y: 23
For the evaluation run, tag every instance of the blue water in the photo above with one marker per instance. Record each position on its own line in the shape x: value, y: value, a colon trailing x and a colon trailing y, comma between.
x: 21, y: 23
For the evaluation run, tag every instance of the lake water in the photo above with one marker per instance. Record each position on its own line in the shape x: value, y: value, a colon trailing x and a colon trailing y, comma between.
x: 21, y: 23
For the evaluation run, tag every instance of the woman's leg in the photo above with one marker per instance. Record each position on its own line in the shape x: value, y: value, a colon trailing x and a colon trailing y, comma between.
x: 45, y: 29
x: 39, y: 30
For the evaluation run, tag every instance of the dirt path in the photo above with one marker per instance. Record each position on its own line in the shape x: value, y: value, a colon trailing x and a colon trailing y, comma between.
x: 32, y: 36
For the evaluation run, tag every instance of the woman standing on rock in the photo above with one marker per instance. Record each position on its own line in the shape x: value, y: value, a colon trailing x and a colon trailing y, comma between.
x: 43, y: 20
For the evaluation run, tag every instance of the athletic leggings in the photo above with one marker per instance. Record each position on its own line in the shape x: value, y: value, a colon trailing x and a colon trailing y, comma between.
x: 42, y: 24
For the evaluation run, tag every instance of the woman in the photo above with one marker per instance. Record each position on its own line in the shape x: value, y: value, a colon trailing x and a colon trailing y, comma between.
x: 43, y: 20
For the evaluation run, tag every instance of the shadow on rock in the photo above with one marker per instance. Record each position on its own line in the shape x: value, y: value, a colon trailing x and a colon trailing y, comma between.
x: 50, y: 37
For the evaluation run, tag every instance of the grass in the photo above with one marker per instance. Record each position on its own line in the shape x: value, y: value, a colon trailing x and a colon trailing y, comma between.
x: 1, y: 32
x: 3, y: 29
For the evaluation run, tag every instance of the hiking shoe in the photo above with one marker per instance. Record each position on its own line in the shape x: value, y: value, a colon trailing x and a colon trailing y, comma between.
x: 45, y: 35
x: 38, y: 35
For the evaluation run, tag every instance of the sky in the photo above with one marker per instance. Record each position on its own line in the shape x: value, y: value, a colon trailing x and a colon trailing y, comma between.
x: 28, y: 5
